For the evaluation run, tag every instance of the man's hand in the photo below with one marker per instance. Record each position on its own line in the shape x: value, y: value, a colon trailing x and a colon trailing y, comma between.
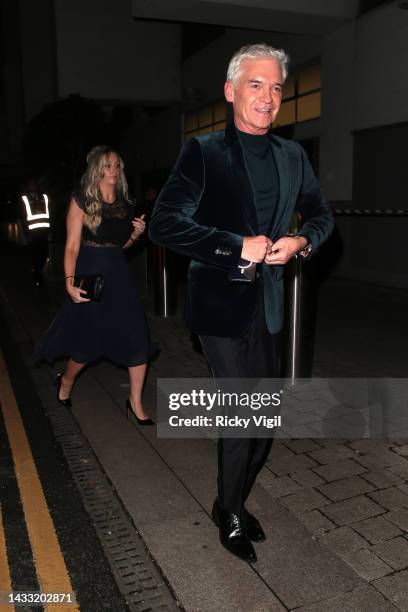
x: 283, y: 249
x: 254, y: 248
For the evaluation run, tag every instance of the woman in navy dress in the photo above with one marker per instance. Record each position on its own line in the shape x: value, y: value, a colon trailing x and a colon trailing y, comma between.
x: 100, y: 225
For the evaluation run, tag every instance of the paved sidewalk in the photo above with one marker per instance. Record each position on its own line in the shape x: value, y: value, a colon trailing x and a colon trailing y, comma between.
x: 335, y: 511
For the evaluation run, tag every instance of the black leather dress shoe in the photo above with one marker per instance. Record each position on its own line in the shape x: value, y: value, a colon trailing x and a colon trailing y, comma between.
x: 232, y: 534
x: 252, y: 527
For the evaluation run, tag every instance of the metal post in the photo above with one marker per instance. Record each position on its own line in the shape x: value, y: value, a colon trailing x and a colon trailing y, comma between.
x: 300, y: 297
x: 164, y: 293
x: 294, y: 318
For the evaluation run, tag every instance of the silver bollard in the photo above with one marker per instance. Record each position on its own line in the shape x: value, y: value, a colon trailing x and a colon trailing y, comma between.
x: 300, y: 298
x: 164, y: 285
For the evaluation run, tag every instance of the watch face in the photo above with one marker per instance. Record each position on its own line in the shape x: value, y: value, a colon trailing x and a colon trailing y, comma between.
x: 305, y: 252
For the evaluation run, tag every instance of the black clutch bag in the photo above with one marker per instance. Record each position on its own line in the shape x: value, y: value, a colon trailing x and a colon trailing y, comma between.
x: 93, y: 285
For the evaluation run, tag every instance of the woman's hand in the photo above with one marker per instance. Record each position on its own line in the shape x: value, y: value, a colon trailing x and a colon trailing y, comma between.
x: 74, y: 228
x: 75, y: 293
x: 139, y: 227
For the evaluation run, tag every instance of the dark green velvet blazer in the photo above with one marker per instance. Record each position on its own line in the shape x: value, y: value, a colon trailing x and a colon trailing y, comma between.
x: 206, y: 208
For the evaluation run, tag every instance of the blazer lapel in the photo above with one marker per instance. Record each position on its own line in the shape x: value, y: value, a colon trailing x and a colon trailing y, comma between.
x: 283, y: 168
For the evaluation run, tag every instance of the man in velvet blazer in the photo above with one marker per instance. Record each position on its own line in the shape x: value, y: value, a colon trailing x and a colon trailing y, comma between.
x: 227, y: 205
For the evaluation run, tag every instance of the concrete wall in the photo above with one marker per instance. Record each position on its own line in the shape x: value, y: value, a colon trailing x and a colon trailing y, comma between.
x: 381, y: 60
x: 364, y: 86
x: 336, y: 142
x: 103, y: 53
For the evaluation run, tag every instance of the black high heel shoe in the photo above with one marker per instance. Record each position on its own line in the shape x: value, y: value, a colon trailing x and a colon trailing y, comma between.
x: 129, y: 411
x: 65, y: 402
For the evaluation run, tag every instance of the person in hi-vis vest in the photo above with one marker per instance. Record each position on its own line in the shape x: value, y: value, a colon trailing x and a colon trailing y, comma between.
x: 36, y: 217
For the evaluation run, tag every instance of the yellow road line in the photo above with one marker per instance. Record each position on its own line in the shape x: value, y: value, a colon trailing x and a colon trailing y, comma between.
x: 52, y: 572
x: 5, y: 580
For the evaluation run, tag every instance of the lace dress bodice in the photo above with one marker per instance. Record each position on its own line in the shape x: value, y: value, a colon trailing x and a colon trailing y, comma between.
x: 115, y: 227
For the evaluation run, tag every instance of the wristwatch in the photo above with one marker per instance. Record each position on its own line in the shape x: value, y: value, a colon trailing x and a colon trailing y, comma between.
x: 304, y: 252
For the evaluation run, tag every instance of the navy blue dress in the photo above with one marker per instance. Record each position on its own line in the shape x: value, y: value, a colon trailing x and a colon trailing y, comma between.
x: 115, y: 327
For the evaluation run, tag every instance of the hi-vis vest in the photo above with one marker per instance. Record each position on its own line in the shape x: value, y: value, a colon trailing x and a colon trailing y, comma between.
x: 33, y: 216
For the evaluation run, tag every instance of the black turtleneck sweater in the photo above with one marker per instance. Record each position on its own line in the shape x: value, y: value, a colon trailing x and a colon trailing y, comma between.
x: 264, y: 177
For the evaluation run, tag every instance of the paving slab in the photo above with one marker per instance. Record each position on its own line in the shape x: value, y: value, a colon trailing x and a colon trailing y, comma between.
x: 202, y: 573
x: 307, y: 478
x: 326, y: 442
x: 297, y: 567
x: 395, y: 588
x: 316, y: 522
x: 280, y: 450
x: 391, y: 498
x: 382, y: 479
x: 343, y: 540
x: 339, y: 470
x: 368, y: 446
x: 394, y: 552
x: 400, y: 469
x: 201, y: 453
x: 352, y: 510
x: 398, y: 517
x: 294, y: 463
x: 345, y: 488
x: 381, y: 458
x: 364, y: 599
x: 303, y: 500
x: 277, y: 486
x: 302, y: 446
x: 367, y: 564
x: 149, y: 490
x: 377, y: 529
x: 332, y: 454
x: 404, y: 488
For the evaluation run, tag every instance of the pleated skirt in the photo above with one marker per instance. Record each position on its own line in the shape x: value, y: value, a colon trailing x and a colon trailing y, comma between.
x: 114, y: 328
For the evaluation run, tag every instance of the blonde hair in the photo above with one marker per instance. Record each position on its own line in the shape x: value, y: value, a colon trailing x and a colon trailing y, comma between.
x: 96, y: 160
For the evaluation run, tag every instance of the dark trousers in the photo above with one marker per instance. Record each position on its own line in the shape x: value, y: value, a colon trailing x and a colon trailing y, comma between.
x: 39, y: 252
x: 254, y: 354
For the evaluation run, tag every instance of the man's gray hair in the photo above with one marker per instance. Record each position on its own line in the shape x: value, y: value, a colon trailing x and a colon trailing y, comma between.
x: 253, y: 52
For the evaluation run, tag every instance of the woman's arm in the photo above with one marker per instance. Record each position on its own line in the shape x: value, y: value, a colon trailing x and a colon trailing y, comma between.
x: 75, y: 219
x: 139, y: 227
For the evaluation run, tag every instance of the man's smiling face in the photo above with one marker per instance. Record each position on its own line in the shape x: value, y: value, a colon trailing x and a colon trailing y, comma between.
x: 257, y: 96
